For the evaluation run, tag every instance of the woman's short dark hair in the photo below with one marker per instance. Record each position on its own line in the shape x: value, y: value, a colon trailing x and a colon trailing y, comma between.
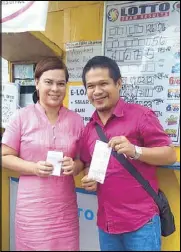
x: 46, y: 64
x: 102, y: 62
x: 50, y: 63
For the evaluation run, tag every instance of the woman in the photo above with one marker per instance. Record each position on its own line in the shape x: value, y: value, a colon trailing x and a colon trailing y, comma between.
x: 46, y: 210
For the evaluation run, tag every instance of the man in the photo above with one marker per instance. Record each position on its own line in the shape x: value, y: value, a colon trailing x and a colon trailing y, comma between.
x: 127, y: 218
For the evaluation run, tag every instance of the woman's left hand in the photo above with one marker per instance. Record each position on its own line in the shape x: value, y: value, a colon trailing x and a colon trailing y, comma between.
x: 68, y: 166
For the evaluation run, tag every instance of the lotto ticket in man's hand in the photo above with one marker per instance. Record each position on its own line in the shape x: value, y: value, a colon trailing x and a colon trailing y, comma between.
x: 99, y: 163
x: 55, y: 158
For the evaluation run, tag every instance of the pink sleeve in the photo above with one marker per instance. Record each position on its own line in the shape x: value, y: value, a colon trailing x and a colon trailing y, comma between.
x: 81, y: 128
x: 152, y: 132
x: 85, y: 155
x: 12, y: 135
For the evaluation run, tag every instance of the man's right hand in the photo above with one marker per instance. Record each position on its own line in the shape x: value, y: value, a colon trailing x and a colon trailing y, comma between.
x: 89, y: 184
x: 43, y: 169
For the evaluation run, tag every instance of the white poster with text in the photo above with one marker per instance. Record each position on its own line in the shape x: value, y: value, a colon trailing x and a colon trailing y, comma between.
x: 79, y: 102
x: 144, y: 39
x: 10, y: 101
x: 78, y: 54
x: 22, y: 16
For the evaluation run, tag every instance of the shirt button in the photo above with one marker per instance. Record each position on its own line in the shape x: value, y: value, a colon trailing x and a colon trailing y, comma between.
x: 54, y: 137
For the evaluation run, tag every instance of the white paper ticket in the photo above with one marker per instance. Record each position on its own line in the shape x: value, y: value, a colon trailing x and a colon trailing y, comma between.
x: 55, y: 158
x: 100, y: 160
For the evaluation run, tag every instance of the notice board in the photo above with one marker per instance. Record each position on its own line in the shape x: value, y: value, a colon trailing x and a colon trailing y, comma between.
x: 10, y: 101
x: 144, y: 39
x: 77, y: 55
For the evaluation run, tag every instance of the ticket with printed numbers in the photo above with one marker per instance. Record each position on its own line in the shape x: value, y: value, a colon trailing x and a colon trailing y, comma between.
x: 100, y: 160
x: 55, y: 158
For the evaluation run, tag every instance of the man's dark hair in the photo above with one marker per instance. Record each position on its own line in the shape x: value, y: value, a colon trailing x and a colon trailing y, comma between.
x: 102, y: 62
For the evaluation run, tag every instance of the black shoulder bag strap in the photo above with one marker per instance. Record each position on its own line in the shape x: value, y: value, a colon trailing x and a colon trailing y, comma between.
x: 131, y: 169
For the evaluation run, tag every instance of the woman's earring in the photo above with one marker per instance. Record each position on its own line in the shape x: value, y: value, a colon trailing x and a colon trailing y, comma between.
x: 35, y: 96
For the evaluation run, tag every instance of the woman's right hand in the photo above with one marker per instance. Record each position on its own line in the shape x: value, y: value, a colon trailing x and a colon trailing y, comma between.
x: 43, y: 169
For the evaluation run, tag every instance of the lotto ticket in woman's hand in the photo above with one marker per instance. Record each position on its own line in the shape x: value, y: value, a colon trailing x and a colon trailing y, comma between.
x: 55, y: 158
x: 100, y: 160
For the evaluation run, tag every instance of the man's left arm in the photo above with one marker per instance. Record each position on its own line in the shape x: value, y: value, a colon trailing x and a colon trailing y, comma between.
x: 165, y: 155
x: 157, y: 148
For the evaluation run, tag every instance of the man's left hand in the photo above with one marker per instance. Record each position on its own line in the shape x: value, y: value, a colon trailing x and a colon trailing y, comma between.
x: 122, y: 146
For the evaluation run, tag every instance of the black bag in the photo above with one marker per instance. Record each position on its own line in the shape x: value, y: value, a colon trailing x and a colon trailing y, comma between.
x: 166, y: 216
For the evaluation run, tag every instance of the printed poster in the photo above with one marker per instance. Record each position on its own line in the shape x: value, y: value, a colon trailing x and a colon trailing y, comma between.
x: 144, y: 39
x: 78, y: 54
x: 79, y: 103
x: 10, y: 101
x: 22, y: 16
